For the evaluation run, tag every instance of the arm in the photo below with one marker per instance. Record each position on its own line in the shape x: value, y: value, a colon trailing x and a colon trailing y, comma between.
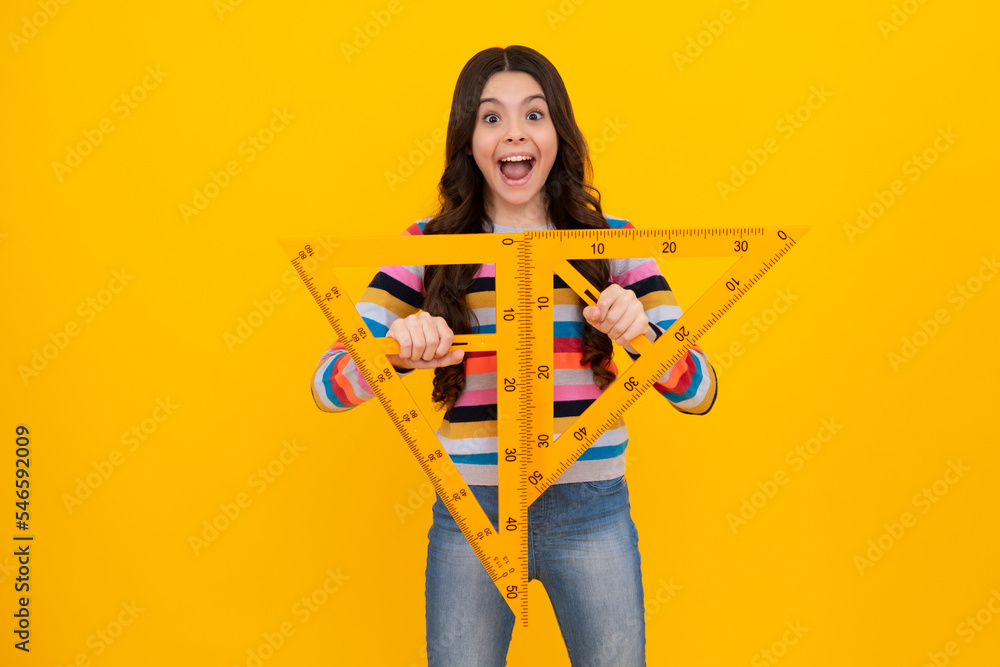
x: 690, y: 384
x: 395, y: 292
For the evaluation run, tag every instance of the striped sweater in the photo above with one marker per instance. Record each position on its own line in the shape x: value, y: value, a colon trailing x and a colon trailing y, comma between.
x: 468, y: 430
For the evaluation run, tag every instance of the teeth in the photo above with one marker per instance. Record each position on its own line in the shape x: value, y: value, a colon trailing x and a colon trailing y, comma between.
x: 516, y: 158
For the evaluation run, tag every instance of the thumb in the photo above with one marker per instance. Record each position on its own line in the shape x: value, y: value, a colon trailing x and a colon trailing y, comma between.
x: 453, y: 357
x: 591, y: 313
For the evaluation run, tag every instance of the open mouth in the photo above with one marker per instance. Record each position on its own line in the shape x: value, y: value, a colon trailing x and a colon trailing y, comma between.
x: 516, y: 172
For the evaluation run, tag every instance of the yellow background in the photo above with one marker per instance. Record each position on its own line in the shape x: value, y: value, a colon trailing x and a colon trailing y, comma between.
x: 335, y: 506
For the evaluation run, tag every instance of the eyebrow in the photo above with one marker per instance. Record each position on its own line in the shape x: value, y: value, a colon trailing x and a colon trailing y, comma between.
x: 525, y: 101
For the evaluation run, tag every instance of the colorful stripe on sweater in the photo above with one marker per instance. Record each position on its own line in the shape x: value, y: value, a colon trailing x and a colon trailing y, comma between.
x: 468, y: 430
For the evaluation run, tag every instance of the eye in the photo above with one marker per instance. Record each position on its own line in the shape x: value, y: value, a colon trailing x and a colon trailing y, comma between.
x: 537, y: 113
x: 487, y: 116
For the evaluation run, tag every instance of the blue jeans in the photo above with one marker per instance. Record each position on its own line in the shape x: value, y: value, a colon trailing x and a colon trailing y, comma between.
x: 582, y: 546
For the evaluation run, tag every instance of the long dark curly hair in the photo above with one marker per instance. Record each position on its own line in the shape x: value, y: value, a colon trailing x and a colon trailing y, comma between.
x: 572, y: 201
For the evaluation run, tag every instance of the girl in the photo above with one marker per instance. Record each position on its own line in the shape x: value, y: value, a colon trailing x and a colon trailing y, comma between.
x: 515, y: 159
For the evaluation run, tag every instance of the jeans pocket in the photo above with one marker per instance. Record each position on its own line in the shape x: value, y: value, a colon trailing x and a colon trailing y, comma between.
x: 606, y: 485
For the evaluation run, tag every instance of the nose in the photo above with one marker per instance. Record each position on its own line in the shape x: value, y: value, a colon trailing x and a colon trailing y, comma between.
x: 514, y: 133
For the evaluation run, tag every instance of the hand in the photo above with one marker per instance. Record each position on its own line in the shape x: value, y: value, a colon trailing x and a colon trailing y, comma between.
x: 423, y: 342
x: 620, y: 314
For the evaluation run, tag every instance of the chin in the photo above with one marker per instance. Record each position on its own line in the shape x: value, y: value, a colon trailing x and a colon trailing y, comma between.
x: 520, y: 199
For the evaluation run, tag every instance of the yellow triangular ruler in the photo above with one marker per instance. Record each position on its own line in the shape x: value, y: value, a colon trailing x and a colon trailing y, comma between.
x: 529, y: 457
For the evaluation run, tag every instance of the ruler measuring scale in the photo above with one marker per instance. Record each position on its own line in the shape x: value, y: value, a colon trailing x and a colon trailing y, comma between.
x: 759, y: 249
x: 503, y: 556
x: 529, y: 458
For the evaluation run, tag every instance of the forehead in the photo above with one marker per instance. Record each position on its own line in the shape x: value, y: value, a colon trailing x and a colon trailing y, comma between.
x: 510, y: 88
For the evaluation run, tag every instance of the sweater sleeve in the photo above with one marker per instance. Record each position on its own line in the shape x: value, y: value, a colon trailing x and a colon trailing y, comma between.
x: 690, y: 384
x: 394, y: 292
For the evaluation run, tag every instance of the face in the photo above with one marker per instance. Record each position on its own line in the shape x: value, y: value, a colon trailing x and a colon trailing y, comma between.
x: 513, y: 119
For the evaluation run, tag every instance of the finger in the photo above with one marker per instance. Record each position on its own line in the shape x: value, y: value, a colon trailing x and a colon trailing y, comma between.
x: 639, y: 327
x: 597, y: 319
x: 640, y: 323
x: 632, y: 323
x: 603, y: 304
x: 452, y: 358
x: 618, y: 317
x: 401, y: 336
x: 399, y: 361
x: 445, y: 337
x: 430, y: 340
x: 416, y: 332
x: 604, y: 301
